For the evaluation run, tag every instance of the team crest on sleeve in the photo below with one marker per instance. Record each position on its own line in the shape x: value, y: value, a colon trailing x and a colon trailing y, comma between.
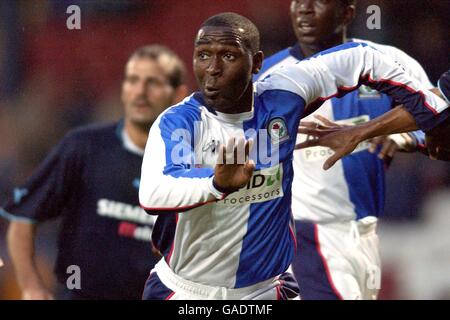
x: 277, y: 130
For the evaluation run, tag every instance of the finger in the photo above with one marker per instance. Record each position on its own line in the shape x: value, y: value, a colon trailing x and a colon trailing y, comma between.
x: 240, y: 151
x: 373, y: 144
x: 229, y: 154
x: 249, y: 167
x: 308, y: 124
x: 221, y: 155
x: 307, y: 144
x: 312, y: 132
x: 332, y: 160
x: 325, y: 121
x: 385, y: 149
x: 392, y: 150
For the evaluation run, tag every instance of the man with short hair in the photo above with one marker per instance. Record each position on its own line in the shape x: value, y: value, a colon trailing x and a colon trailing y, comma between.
x: 336, y: 210
x: 231, y: 203
x: 91, y: 180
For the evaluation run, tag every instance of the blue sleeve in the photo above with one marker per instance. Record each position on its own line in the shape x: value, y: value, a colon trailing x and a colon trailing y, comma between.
x: 171, y: 180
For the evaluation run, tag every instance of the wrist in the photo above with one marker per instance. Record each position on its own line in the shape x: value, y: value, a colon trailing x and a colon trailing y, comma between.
x: 220, y: 189
x: 215, y: 189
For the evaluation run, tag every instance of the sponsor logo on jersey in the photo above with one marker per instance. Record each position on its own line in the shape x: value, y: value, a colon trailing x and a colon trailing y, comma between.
x: 212, y: 146
x: 367, y: 92
x: 265, y: 185
x: 132, y: 230
x: 277, y: 130
x: 322, y: 153
x: 123, y: 211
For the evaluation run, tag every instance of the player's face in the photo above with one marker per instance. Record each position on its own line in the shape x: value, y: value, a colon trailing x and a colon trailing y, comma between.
x: 314, y: 21
x: 223, y: 67
x: 146, y: 91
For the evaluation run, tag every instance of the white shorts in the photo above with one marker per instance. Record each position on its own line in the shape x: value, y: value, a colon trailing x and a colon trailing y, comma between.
x: 338, y: 260
x: 164, y: 284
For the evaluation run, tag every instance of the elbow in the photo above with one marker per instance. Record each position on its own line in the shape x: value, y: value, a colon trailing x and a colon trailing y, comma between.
x: 151, y: 200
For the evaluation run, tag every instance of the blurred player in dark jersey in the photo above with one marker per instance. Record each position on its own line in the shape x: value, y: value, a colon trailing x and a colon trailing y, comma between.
x: 91, y: 180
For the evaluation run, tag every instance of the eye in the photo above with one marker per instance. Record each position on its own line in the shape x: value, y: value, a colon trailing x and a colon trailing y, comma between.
x: 132, y: 79
x: 229, y: 56
x: 202, y: 55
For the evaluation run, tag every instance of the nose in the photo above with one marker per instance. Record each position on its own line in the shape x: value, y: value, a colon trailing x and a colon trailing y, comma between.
x: 305, y: 6
x: 215, y: 67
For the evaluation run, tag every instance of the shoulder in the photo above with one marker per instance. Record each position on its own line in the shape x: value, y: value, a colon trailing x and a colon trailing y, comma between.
x: 82, y: 140
x: 92, y: 133
x: 275, y: 59
x: 278, y: 83
x: 182, y: 114
x: 273, y: 62
x: 411, y: 65
x: 397, y: 54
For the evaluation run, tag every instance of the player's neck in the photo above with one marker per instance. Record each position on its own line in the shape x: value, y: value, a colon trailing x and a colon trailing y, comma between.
x: 310, y: 49
x: 138, y: 134
x: 244, y: 104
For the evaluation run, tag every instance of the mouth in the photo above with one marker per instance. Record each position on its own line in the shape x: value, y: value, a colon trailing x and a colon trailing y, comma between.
x: 305, y: 26
x: 141, y: 104
x: 211, y: 92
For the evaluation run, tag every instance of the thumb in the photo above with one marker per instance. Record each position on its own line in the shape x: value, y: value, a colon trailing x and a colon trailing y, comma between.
x: 332, y: 160
x: 249, y: 168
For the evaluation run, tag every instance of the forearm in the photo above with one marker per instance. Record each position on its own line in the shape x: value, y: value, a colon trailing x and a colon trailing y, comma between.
x: 395, y: 121
x: 21, y: 249
x: 160, y: 193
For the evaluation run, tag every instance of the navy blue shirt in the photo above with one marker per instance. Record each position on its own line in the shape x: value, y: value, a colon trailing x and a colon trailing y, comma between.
x: 92, y: 181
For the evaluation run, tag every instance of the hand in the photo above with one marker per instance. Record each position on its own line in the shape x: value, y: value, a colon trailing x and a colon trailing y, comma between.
x: 37, y: 293
x: 341, y: 139
x: 388, y: 148
x: 438, y: 141
x: 234, y: 168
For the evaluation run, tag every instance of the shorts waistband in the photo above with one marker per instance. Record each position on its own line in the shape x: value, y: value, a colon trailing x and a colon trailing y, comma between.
x: 177, y: 283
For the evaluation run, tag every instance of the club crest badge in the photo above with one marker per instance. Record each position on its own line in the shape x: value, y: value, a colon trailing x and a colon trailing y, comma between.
x: 277, y: 130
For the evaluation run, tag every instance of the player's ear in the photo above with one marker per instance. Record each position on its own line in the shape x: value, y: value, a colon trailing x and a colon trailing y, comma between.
x: 258, y: 58
x: 181, y: 92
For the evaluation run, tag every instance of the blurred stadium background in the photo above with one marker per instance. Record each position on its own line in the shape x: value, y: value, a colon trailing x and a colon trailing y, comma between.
x: 53, y: 79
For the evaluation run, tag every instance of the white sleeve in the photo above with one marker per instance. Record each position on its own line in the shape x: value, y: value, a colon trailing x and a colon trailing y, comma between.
x: 170, y: 182
x: 342, y: 69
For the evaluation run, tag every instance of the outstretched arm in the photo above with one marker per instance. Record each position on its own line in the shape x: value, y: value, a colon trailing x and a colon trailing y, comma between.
x: 171, y: 178
x: 343, y: 140
x: 342, y: 69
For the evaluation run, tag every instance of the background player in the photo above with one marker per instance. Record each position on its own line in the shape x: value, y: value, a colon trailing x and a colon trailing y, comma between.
x: 91, y: 179
x: 344, y: 139
x: 329, y: 207
x: 232, y: 238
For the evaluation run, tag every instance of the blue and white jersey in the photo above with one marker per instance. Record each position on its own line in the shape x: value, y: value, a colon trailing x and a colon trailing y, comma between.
x: 243, y: 238
x: 354, y: 187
